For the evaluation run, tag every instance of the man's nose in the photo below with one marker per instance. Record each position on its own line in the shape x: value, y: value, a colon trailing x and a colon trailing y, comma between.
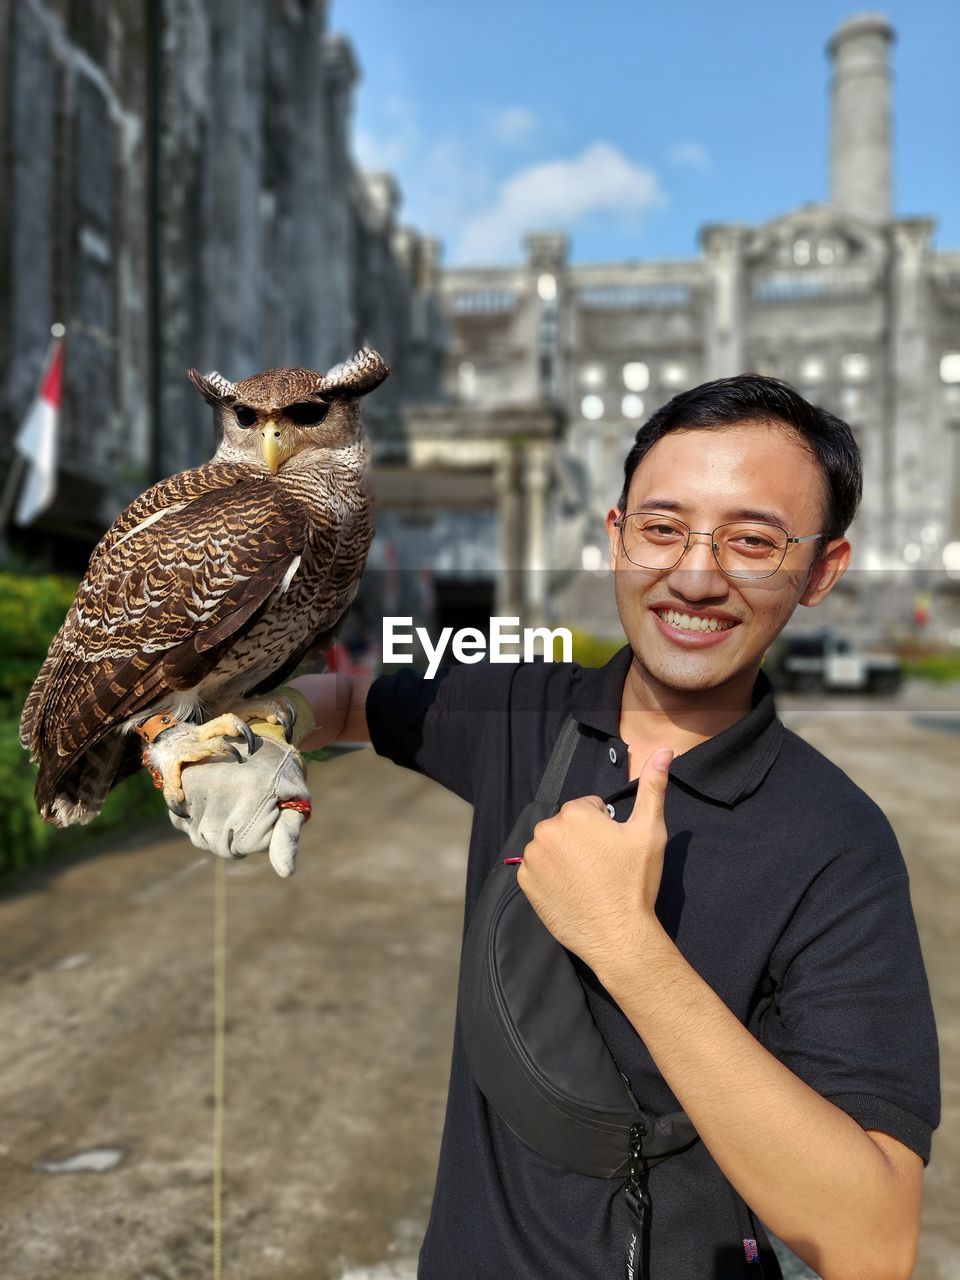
x: 698, y: 574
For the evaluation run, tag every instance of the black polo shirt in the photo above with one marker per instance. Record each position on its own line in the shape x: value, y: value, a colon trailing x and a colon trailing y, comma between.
x: 784, y: 888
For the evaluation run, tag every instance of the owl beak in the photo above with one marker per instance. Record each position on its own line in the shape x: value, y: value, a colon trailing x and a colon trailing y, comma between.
x: 272, y: 442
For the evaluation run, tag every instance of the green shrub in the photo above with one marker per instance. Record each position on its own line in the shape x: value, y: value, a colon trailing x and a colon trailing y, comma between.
x: 32, y: 607
x: 31, y: 611
x: 941, y: 668
x: 25, y: 838
x: 594, y: 651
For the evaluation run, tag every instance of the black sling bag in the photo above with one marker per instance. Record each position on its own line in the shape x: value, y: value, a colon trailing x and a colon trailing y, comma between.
x: 532, y: 1043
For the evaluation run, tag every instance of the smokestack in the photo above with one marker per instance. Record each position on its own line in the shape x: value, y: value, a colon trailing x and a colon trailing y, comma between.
x: 860, y: 172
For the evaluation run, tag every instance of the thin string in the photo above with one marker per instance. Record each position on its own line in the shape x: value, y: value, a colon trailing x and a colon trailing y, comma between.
x: 219, y: 1027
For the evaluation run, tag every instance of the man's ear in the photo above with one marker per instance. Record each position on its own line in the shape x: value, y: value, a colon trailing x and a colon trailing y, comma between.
x: 826, y: 571
x: 613, y: 534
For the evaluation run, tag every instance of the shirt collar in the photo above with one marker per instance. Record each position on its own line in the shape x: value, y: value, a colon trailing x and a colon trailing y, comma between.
x: 726, y: 767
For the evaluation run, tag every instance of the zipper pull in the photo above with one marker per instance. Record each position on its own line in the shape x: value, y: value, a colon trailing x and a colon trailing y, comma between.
x: 638, y: 1197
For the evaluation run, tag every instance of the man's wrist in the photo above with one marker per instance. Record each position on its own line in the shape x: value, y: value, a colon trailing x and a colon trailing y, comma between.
x: 330, y: 697
x: 638, y: 961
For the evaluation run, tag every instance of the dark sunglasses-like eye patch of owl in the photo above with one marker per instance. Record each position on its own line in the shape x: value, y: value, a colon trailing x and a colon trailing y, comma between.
x: 305, y: 413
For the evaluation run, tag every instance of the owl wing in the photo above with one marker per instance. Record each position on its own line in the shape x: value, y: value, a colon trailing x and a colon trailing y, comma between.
x: 160, y: 603
x: 168, y: 495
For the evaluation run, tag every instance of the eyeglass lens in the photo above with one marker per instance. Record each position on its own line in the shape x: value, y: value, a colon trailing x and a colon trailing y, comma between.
x: 743, y: 550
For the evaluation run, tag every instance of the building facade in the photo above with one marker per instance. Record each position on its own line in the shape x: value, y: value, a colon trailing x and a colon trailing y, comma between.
x: 179, y: 190
x: 853, y: 306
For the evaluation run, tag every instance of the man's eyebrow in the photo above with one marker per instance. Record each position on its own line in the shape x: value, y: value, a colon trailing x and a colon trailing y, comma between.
x: 742, y: 513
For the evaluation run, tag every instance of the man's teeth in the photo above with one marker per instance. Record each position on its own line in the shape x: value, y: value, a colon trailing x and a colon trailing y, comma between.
x: 687, y: 623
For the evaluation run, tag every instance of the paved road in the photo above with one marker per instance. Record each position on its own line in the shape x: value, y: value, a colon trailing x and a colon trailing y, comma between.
x: 340, y: 993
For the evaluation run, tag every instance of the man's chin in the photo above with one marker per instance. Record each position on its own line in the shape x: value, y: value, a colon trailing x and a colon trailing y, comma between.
x: 684, y: 677
x: 688, y: 672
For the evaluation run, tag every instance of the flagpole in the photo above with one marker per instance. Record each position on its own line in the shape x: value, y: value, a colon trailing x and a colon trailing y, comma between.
x: 21, y: 462
x: 9, y: 499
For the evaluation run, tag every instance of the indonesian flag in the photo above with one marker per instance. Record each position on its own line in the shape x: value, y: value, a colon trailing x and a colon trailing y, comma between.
x: 37, y: 437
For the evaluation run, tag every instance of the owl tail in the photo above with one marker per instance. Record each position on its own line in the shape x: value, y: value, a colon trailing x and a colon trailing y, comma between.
x: 76, y: 796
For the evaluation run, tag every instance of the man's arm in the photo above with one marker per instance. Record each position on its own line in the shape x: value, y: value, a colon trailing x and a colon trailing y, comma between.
x: 846, y: 1200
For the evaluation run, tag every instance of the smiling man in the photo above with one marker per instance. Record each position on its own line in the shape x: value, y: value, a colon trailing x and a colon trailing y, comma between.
x: 737, y: 910
x: 774, y: 500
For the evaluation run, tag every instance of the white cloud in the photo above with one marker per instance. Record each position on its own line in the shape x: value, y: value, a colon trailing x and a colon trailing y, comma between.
x: 441, y: 177
x: 378, y: 153
x: 513, y: 124
x: 392, y: 147
x: 690, y: 154
x: 558, y: 193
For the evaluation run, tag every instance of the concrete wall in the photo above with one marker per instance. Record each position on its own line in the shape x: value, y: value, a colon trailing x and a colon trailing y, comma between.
x: 180, y: 190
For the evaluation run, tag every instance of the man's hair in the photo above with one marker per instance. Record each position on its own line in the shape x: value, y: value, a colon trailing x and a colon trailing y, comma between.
x: 750, y: 397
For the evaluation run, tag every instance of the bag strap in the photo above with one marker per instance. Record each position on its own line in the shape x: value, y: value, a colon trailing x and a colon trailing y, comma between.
x: 555, y: 773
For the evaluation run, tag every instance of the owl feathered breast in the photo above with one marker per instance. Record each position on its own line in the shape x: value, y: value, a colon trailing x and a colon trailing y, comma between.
x: 212, y: 584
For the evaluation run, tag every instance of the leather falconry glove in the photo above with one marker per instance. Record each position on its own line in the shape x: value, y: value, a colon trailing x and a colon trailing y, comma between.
x: 244, y: 790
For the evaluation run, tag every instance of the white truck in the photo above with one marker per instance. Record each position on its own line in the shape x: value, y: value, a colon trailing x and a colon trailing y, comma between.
x: 826, y: 662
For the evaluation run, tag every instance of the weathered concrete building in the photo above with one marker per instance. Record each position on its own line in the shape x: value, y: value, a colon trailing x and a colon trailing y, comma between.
x: 179, y: 189
x: 852, y: 305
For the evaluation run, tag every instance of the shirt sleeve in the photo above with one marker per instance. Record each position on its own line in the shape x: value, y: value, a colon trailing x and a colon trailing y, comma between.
x: 434, y: 726
x: 850, y: 1012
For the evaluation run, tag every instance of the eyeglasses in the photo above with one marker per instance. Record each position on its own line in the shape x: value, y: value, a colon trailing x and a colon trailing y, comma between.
x: 742, y: 549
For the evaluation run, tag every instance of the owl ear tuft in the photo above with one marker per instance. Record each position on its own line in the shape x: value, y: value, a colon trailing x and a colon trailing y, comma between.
x: 357, y: 376
x: 214, y: 387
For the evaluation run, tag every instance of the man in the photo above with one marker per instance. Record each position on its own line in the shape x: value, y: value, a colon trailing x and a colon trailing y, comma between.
x: 738, y: 909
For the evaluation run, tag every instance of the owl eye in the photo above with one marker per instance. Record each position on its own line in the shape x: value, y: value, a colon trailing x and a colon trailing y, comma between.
x: 245, y: 416
x: 307, y: 413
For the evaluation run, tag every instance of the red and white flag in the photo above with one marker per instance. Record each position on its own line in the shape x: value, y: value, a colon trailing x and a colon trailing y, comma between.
x: 37, y: 438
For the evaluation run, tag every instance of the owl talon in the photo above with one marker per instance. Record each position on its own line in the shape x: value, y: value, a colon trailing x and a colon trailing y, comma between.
x: 180, y: 810
x: 245, y: 733
x: 287, y: 717
x: 229, y: 755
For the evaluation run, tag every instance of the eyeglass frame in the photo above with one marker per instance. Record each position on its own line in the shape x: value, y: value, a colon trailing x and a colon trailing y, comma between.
x: 702, y: 533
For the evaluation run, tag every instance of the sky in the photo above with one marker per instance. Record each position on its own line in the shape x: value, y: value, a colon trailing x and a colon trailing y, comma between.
x: 630, y: 126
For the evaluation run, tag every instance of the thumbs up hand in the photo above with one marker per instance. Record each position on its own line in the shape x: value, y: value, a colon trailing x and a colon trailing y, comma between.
x: 594, y: 881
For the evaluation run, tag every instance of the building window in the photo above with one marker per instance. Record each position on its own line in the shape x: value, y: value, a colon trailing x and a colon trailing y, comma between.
x: 851, y: 399
x: 548, y: 326
x: 825, y: 253
x: 592, y: 408
x: 592, y: 375
x: 483, y: 301
x: 546, y: 287
x: 673, y: 374
x: 621, y: 297
x: 636, y: 376
x: 467, y: 380
x: 632, y: 406
x: 813, y: 369
x: 950, y: 366
x: 801, y: 252
x: 855, y: 366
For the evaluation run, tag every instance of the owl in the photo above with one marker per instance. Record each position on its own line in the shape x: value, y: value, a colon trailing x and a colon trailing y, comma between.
x: 212, y: 586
